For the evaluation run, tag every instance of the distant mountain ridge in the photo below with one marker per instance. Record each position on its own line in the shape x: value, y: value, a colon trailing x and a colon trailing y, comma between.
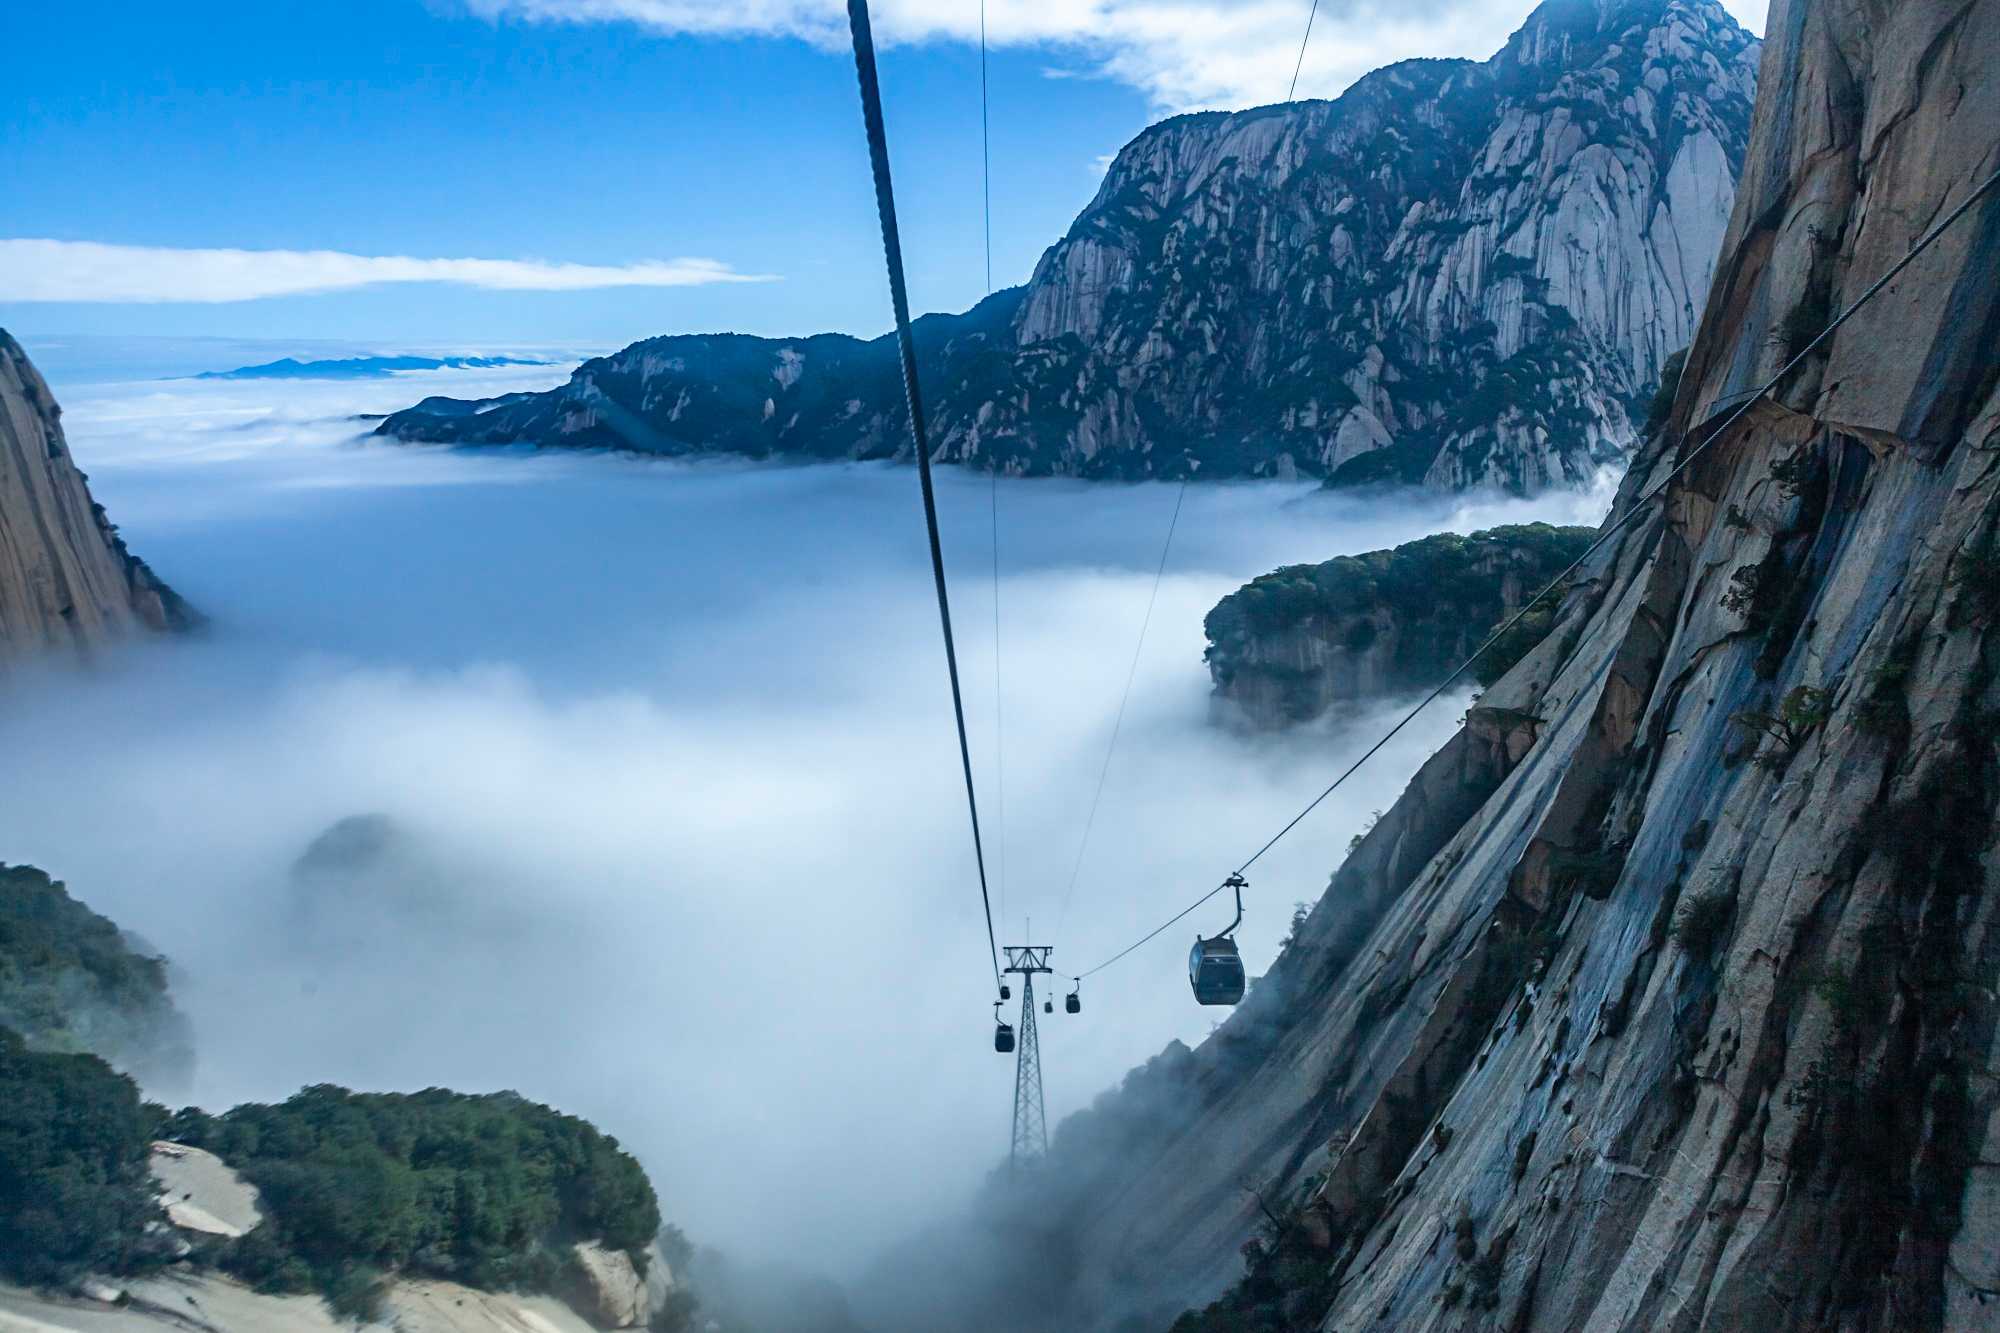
x: 1457, y: 273
x: 363, y: 367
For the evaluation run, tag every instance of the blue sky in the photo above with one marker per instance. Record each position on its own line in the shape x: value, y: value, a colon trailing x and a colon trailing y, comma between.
x: 595, y: 133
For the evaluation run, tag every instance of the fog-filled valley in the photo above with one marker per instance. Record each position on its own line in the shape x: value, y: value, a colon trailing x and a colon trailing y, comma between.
x: 631, y: 784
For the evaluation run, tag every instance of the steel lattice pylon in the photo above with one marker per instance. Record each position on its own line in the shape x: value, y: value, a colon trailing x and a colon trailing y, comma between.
x: 1031, y: 1132
x: 1031, y: 1135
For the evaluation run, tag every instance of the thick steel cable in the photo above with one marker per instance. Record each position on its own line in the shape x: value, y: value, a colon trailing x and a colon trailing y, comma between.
x: 1638, y: 506
x: 892, y: 253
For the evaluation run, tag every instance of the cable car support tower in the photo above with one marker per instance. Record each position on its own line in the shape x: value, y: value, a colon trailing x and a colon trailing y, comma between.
x: 1031, y: 1133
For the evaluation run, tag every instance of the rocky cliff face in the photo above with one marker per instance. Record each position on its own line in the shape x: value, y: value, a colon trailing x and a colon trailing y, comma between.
x: 1456, y: 273
x: 1291, y: 644
x: 66, y: 580
x: 1665, y: 998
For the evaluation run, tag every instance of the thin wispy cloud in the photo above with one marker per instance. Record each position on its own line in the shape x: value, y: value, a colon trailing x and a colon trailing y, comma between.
x: 45, y: 270
x: 1183, y: 54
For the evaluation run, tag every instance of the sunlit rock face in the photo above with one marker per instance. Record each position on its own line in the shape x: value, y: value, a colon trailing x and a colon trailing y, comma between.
x: 1665, y: 998
x: 1456, y: 274
x: 66, y: 580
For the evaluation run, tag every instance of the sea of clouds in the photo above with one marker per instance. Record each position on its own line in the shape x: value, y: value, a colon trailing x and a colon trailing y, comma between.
x: 653, y: 798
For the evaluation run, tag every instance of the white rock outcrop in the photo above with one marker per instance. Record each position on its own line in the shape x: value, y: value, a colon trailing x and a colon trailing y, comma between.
x: 208, y: 1303
x: 613, y: 1294
x: 201, y: 1193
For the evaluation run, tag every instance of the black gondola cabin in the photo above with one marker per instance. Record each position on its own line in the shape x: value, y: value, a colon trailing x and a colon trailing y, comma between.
x: 1215, y: 969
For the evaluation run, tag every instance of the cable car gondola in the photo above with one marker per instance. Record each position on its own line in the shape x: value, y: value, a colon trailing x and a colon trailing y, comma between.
x: 1215, y: 967
x: 1003, y: 1032
x: 1073, y: 1002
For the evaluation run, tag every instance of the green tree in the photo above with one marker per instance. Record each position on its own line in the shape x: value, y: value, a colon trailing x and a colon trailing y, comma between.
x: 487, y: 1190
x: 75, y: 1193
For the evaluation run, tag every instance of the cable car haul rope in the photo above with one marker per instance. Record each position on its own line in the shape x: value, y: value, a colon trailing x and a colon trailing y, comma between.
x: 1215, y: 965
x: 892, y: 250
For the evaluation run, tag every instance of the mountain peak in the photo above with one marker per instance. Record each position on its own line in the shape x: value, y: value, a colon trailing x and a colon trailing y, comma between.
x: 1456, y: 274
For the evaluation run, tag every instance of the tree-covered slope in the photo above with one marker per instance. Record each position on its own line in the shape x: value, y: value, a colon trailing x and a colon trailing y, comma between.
x: 1290, y: 644
x: 491, y: 1191
x: 75, y: 1196
x: 362, y: 1194
x: 70, y: 980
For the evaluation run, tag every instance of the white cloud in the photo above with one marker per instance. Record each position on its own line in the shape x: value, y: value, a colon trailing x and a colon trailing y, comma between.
x: 43, y: 270
x: 1752, y: 14
x: 1183, y: 54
